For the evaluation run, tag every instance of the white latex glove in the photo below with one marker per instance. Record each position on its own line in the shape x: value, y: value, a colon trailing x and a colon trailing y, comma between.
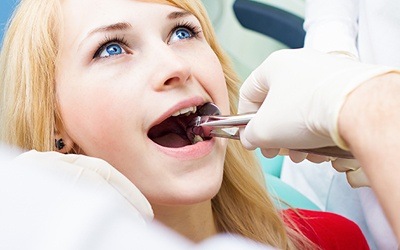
x: 298, y: 94
x: 56, y: 201
x: 354, y: 173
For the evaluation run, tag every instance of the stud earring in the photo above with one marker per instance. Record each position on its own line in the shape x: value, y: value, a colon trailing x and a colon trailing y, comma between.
x: 59, y: 144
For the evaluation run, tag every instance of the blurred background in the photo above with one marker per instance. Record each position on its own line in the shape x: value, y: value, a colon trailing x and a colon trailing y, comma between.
x: 6, y: 8
x: 248, y: 48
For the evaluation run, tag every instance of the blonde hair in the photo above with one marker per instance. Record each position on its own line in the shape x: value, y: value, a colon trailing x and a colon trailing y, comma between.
x: 29, y: 116
x: 27, y: 73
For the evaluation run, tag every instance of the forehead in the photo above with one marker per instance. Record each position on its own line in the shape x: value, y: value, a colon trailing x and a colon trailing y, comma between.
x: 88, y: 14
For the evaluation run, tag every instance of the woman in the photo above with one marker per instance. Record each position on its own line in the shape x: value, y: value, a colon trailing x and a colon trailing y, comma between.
x: 116, y: 81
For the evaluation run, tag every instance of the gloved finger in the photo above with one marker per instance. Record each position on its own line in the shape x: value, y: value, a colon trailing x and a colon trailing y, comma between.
x: 317, y: 158
x: 270, y: 152
x: 253, y: 91
x: 357, y: 178
x: 344, y: 165
x: 248, y: 106
x: 246, y: 144
x: 297, y: 156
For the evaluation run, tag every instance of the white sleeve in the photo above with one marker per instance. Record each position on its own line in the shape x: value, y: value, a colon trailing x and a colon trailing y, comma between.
x: 74, y: 202
x: 332, y: 25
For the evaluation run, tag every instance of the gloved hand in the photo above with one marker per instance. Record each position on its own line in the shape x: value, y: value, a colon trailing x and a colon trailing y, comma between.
x: 56, y: 201
x: 298, y: 95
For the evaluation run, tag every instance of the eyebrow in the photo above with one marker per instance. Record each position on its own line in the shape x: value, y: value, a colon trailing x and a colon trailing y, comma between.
x: 125, y: 25
x: 178, y: 14
x: 111, y: 27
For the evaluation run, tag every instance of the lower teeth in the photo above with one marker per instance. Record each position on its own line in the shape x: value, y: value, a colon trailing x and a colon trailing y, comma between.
x: 196, y: 139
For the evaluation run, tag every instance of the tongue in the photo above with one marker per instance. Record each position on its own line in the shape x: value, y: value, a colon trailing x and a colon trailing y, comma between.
x: 172, y: 140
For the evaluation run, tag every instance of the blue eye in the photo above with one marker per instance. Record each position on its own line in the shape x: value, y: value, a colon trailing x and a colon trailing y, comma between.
x: 111, y: 49
x: 180, y: 34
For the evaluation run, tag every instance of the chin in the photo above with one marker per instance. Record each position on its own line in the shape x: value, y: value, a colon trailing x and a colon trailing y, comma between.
x: 190, y: 191
x: 186, y: 199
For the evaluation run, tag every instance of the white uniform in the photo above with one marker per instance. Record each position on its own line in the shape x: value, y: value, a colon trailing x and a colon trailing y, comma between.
x: 368, y: 30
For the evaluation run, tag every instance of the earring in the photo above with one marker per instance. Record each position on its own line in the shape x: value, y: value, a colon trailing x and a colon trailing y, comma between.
x: 59, y: 144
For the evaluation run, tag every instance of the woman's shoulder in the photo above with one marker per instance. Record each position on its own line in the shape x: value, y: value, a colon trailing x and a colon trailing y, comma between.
x: 325, y: 229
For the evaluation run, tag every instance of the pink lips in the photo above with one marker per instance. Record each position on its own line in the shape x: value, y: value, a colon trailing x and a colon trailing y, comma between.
x: 189, y: 152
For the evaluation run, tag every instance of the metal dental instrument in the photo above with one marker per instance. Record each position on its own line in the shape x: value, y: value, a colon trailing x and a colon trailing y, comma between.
x: 211, y: 124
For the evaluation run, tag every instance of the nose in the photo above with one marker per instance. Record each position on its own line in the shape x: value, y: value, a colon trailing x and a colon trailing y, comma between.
x: 172, y: 68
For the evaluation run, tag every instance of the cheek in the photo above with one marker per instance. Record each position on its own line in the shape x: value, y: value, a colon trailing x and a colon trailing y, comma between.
x: 215, y: 83
x: 92, y: 115
x: 84, y: 115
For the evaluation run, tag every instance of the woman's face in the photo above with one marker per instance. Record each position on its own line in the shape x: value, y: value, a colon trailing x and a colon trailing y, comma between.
x: 126, y: 66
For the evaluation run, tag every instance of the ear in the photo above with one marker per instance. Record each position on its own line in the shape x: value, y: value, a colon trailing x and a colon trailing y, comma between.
x: 63, y: 142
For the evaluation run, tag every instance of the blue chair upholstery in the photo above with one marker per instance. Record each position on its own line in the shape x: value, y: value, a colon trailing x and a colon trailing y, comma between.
x: 276, y: 23
x: 271, y: 166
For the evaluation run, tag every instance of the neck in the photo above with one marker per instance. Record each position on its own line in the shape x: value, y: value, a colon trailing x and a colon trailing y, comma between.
x: 195, y: 222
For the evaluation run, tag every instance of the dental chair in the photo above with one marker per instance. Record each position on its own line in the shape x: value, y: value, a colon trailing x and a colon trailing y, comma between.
x: 271, y: 21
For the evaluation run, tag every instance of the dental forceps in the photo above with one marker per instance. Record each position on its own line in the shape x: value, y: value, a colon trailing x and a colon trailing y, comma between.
x: 227, y: 126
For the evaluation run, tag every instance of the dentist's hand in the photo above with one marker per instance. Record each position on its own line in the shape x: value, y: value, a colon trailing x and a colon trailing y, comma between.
x: 298, y: 95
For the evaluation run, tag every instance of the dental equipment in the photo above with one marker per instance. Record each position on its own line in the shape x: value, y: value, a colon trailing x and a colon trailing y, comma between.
x: 210, y: 123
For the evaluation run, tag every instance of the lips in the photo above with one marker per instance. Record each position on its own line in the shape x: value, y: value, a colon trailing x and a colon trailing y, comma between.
x: 171, y: 132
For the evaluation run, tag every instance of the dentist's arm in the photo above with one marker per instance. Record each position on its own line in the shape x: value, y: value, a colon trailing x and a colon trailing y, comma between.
x: 369, y: 123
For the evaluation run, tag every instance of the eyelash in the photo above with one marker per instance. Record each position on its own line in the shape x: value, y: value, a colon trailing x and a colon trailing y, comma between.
x: 194, y: 30
x: 107, y: 40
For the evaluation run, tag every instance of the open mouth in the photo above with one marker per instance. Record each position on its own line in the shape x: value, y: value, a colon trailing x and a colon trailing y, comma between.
x: 172, y: 132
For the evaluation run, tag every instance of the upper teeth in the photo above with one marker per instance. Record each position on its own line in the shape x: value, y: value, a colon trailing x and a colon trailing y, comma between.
x: 186, y: 111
